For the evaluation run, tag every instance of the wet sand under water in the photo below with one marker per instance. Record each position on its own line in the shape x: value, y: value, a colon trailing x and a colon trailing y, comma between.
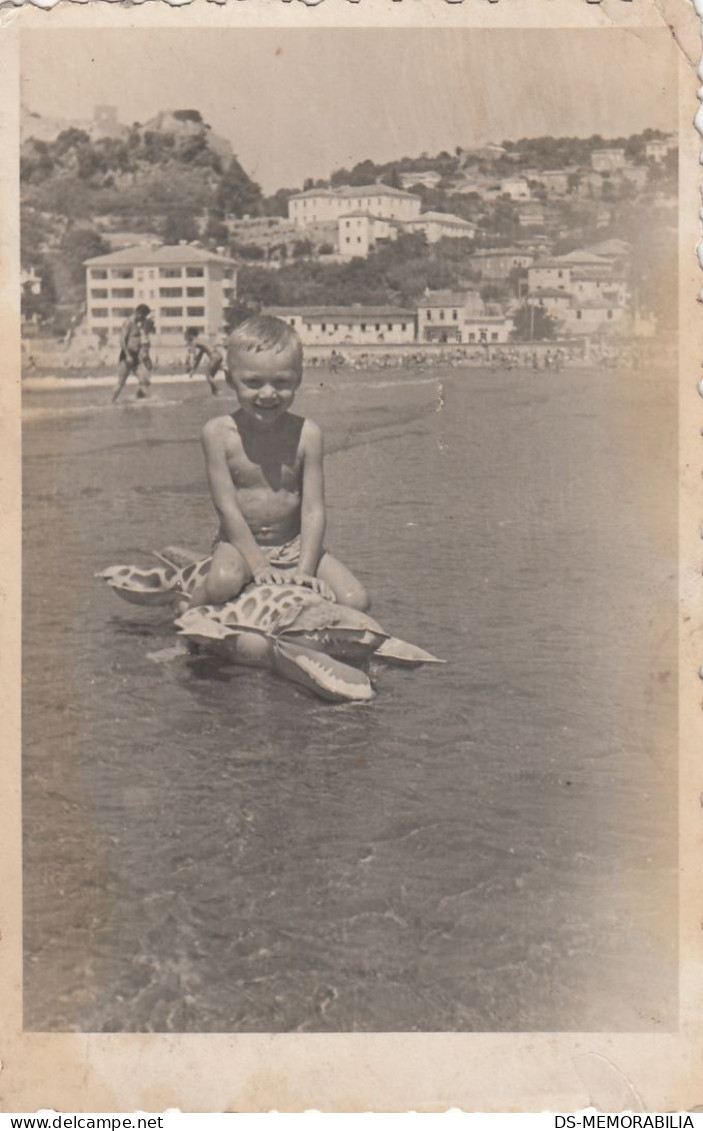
x: 490, y: 845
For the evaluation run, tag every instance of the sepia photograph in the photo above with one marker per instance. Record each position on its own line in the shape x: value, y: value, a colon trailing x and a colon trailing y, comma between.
x: 356, y: 600
x: 349, y: 466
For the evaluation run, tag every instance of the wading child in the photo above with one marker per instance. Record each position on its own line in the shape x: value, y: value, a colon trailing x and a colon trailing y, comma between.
x: 265, y: 470
x: 199, y: 348
x: 132, y: 337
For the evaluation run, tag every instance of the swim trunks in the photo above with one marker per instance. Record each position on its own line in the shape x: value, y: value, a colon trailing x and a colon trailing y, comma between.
x: 286, y: 556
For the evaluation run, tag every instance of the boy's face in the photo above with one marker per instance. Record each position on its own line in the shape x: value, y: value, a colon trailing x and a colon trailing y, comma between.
x: 265, y: 384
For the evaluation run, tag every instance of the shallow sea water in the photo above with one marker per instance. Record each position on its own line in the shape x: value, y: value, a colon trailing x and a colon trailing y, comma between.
x: 489, y: 845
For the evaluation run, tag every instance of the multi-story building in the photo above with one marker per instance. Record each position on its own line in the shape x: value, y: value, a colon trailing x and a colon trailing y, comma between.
x: 185, y: 287
x: 349, y: 325
x: 658, y: 150
x: 498, y: 262
x: 358, y: 233
x: 323, y: 204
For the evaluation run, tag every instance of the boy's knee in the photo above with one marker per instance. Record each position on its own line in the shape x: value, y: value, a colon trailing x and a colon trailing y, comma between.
x: 224, y: 582
x: 355, y: 597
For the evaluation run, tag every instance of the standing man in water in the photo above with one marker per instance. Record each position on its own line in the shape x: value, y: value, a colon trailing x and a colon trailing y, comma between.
x: 133, y: 336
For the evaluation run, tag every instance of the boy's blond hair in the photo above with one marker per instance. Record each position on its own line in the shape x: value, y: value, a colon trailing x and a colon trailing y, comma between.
x: 264, y: 334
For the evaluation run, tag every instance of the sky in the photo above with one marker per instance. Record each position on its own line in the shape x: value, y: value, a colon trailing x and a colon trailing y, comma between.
x: 300, y: 103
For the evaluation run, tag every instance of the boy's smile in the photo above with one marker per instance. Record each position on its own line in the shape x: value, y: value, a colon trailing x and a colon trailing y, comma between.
x: 266, y: 384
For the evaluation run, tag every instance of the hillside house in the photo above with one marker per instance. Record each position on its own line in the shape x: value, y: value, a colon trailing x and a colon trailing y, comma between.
x: 608, y: 160
x: 497, y: 262
x: 325, y: 204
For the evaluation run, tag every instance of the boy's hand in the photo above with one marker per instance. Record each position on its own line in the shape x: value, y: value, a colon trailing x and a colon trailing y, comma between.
x: 315, y: 583
x: 271, y: 575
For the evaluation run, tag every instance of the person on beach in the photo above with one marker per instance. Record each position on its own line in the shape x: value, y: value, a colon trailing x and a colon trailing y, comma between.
x: 265, y: 470
x: 132, y: 336
x: 145, y: 346
x: 198, y: 348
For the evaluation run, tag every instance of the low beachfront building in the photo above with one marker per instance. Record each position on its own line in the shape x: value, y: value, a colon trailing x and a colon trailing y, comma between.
x: 321, y: 205
x: 185, y: 287
x: 348, y: 325
x: 460, y: 317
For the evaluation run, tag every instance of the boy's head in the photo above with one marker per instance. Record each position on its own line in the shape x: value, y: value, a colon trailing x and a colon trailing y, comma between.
x: 143, y: 311
x: 264, y: 367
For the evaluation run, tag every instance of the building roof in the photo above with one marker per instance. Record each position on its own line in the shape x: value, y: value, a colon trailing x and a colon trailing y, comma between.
x: 441, y: 217
x: 610, y: 247
x: 484, y: 252
x: 359, y: 212
x: 340, y: 313
x: 445, y: 298
x: 354, y: 190
x: 168, y: 254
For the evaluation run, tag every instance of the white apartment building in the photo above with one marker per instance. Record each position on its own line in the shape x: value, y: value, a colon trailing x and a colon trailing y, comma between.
x: 348, y: 325
x: 324, y: 204
x: 185, y: 287
x: 460, y: 317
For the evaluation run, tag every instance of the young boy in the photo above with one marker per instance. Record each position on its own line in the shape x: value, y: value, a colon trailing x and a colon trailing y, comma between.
x: 264, y: 466
x: 197, y: 348
x: 132, y: 337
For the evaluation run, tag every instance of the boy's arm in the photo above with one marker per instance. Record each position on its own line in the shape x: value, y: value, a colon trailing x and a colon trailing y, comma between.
x: 224, y: 497
x: 124, y: 334
x: 313, y: 517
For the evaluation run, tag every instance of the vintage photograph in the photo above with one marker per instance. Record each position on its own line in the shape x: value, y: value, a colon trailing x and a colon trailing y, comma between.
x: 349, y: 400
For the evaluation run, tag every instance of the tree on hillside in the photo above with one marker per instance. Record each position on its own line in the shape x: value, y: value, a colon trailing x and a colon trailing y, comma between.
x: 78, y: 245
x: 238, y: 195
x: 179, y: 226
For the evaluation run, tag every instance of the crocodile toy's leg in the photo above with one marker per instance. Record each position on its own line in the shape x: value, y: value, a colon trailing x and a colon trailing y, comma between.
x: 400, y: 652
x: 142, y: 586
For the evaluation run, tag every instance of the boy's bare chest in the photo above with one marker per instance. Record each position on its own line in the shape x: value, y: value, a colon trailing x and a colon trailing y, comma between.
x: 265, y: 466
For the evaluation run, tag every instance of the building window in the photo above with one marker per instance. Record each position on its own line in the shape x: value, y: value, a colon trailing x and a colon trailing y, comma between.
x: 323, y: 325
x: 358, y: 239
x: 122, y: 273
x: 455, y: 315
x: 172, y: 330
x: 336, y: 326
x: 170, y: 272
x: 196, y: 311
x: 122, y: 312
x: 292, y: 321
x: 348, y: 239
x: 494, y: 337
x: 99, y: 312
x: 610, y: 314
x: 472, y: 337
x: 195, y: 272
x: 579, y: 314
x: 98, y: 273
x: 170, y: 292
x: 403, y: 325
x: 441, y: 316
x: 390, y: 325
x: 363, y: 325
x: 172, y: 311
x: 123, y: 292
x: 98, y: 292
x: 429, y: 315
x: 195, y: 292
